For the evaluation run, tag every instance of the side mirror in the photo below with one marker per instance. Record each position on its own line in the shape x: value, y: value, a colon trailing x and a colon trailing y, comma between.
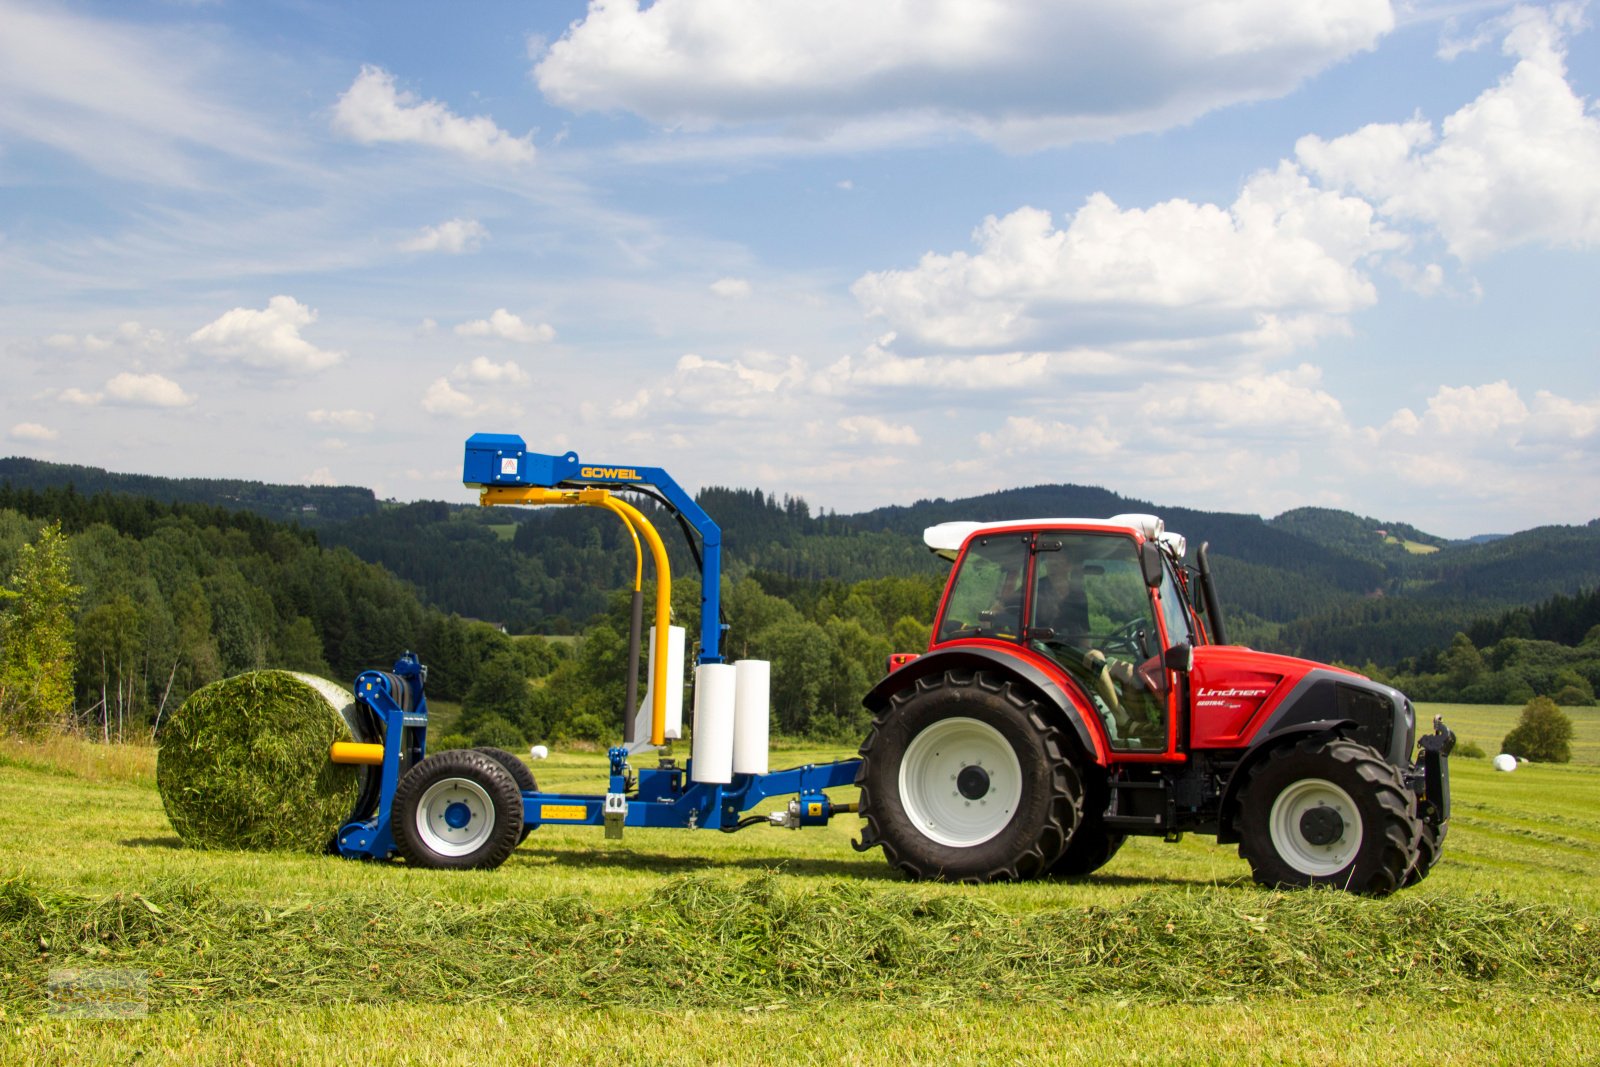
x: 1179, y: 658
x: 1150, y: 563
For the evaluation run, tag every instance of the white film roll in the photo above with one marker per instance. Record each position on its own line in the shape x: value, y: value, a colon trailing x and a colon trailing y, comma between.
x: 751, y: 710
x: 712, y: 750
x: 674, y: 729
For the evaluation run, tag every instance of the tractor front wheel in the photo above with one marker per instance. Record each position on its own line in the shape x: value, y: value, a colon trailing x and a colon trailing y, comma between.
x: 963, y: 779
x: 1328, y: 811
x: 1429, y: 848
x: 458, y: 810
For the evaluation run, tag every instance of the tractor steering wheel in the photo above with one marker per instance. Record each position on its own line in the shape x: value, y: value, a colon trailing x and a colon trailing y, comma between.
x: 1130, y: 638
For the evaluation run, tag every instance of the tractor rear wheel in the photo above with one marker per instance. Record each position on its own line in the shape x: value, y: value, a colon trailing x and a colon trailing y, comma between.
x: 1092, y: 845
x: 963, y: 779
x: 1328, y: 811
x: 519, y: 773
x: 457, y: 810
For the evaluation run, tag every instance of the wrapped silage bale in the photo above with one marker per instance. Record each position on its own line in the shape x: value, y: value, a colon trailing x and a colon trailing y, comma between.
x: 243, y: 764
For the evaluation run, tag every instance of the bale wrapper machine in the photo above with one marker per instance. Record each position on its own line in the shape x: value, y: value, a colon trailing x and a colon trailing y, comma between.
x: 471, y: 808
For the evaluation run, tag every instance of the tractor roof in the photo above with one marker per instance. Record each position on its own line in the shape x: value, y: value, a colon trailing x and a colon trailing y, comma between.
x: 947, y: 538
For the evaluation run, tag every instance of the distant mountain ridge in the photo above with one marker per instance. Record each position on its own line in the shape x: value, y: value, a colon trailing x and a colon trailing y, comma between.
x: 1313, y: 581
x: 309, y: 505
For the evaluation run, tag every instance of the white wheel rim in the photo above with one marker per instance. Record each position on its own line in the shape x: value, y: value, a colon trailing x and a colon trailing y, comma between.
x: 455, y: 816
x: 1292, y: 805
x: 929, y: 792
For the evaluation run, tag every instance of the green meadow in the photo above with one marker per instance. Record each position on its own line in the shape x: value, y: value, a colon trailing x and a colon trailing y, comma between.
x: 769, y: 943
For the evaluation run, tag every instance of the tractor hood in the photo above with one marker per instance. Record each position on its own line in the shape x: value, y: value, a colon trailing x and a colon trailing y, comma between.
x: 1234, y: 689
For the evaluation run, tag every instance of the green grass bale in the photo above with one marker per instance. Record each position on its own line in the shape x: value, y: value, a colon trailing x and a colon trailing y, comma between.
x: 244, y: 764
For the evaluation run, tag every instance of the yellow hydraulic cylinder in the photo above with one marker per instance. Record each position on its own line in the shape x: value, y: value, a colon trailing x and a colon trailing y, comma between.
x: 353, y: 752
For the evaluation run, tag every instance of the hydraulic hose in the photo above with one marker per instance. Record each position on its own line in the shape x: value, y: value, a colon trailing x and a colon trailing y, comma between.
x: 637, y: 524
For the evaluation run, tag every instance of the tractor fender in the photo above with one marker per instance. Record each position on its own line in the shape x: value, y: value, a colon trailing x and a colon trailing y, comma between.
x: 1050, y: 691
x: 1226, y: 834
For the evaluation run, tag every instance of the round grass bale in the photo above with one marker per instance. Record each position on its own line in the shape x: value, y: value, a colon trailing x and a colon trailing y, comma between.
x: 244, y: 764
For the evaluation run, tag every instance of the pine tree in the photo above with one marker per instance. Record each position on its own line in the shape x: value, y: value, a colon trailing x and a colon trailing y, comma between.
x: 36, y: 639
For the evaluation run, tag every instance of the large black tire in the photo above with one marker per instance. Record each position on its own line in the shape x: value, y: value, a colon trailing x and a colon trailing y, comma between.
x: 1429, y: 848
x: 370, y: 732
x: 1092, y: 845
x: 519, y: 773
x: 964, y: 779
x: 1328, y: 811
x: 457, y: 810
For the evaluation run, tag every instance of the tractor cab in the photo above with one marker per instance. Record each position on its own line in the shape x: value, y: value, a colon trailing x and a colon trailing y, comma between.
x: 1083, y: 598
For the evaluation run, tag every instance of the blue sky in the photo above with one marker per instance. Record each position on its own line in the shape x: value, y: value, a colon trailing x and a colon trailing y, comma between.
x: 1244, y: 255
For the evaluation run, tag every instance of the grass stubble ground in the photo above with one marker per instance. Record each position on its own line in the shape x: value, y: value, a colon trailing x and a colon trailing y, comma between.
x: 773, y: 944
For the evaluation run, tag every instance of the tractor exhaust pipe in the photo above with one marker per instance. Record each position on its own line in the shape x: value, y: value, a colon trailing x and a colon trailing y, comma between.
x: 1208, y: 590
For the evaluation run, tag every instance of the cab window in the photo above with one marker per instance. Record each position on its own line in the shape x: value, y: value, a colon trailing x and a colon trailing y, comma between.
x: 987, y: 592
x: 1174, y: 615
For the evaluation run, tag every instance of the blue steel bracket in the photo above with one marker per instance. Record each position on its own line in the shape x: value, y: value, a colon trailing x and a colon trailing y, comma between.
x: 663, y: 801
x: 748, y: 790
x: 502, y: 459
x: 404, y: 744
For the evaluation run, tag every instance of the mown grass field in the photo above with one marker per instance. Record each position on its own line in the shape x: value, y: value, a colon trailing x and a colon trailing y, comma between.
x: 773, y: 944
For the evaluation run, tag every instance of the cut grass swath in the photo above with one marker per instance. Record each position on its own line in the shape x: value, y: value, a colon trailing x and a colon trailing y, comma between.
x: 703, y: 941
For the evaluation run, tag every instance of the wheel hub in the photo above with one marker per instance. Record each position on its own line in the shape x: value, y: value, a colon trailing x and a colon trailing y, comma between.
x: 1321, y: 826
x: 973, y: 782
x: 1316, y: 827
x: 457, y: 815
x: 960, y: 782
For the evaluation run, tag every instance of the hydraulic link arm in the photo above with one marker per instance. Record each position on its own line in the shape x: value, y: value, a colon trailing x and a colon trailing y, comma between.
x: 502, y: 461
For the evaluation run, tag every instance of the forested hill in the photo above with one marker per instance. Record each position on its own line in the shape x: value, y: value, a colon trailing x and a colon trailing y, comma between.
x: 1313, y: 581
x: 309, y: 505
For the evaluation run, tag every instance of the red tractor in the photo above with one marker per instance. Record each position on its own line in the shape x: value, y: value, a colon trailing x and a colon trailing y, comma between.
x: 1078, y: 688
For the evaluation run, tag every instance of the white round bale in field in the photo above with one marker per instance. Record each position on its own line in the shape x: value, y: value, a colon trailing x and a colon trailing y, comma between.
x: 1505, y: 762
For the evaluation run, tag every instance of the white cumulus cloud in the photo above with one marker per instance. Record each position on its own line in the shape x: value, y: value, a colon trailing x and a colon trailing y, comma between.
x: 442, y: 398
x: 455, y: 237
x: 268, y: 338
x: 1027, y: 434
x: 505, y: 326
x: 32, y: 431
x: 754, y: 385
x: 1283, y: 247
x: 1284, y: 403
x: 129, y: 337
x: 876, y: 431
x: 1517, y: 165
x: 146, y: 390
x: 1497, y: 412
x: 731, y: 288
x: 488, y: 372
x: 372, y: 109
x: 345, y: 418
x: 1013, y: 71
x: 132, y: 390
x: 1489, y: 443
